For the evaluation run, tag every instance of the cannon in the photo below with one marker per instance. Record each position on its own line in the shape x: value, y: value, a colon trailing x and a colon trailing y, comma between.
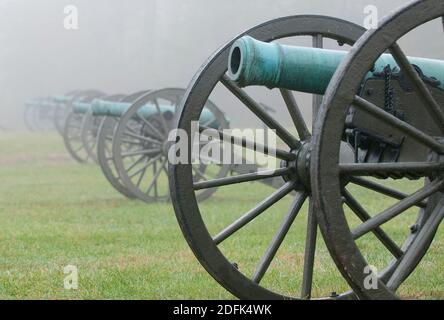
x: 38, y: 114
x: 124, y: 155
x: 372, y: 155
x: 91, y: 124
x: 64, y: 107
x: 105, y: 138
x: 140, y: 143
x: 73, y: 136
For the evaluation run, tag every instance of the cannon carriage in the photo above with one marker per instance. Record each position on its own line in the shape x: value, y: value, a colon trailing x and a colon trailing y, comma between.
x: 38, y: 114
x: 105, y: 138
x: 145, y: 126
x: 73, y: 129
x: 128, y: 137
x: 376, y: 136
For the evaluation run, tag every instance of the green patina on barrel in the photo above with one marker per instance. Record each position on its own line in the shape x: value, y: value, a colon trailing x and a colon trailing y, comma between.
x: 303, y: 69
x: 109, y: 108
x: 62, y: 99
x: 117, y: 109
x: 81, y: 107
x: 41, y: 103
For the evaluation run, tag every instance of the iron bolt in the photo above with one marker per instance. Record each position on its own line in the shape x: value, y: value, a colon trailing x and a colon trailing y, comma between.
x: 414, y: 228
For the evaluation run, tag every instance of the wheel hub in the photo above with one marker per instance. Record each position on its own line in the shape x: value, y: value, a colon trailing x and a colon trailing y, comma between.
x: 300, y: 167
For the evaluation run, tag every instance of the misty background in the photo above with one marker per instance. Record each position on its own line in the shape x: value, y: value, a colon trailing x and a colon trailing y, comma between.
x: 124, y: 46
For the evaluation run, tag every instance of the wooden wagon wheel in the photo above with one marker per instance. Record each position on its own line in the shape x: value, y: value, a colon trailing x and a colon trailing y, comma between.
x: 72, y: 132
x: 420, y: 157
x: 105, y: 152
x: 196, y: 222
x: 63, y: 108
x: 91, y: 125
x: 146, y: 127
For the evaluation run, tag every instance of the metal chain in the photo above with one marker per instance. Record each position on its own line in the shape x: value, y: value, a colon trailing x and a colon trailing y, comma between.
x: 389, y: 103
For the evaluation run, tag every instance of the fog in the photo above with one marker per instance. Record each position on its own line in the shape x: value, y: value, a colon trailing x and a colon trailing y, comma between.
x: 124, y: 46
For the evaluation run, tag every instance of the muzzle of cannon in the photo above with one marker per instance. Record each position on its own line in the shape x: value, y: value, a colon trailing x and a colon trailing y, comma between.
x: 256, y: 63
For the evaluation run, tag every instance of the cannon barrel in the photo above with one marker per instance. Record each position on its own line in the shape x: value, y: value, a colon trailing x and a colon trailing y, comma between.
x: 109, y: 108
x: 303, y: 69
x: 81, y: 107
x: 117, y: 109
x: 44, y: 102
x: 62, y: 99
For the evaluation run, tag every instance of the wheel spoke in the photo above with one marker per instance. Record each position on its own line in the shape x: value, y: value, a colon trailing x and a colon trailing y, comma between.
x: 408, y: 129
x: 259, y: 111
x: 279, y: 238
x: 398, y: 208
x: 415, y: 253
x: 383, y: 190
x: 156, y: 176
x: 199, y: 173
x: 162, y: 118
x: 147, y: 152
x: 133, y: 143
x: 157, y: 134
x: 252, y: 145
x: 108, y: 150
x: 368, y: 169
x: 80, y: 148
x: 254, y: 213
x: 310, y: 251
x: 296, y: 114
x: 155, y: 183
x: 135, y: 163
x: 318, y: 42
x: 249, y: 177
x: 362, y: 214
x: 145, y: 166
x: 142, y: 138
x: 432, y: 107
x: 142, y: 175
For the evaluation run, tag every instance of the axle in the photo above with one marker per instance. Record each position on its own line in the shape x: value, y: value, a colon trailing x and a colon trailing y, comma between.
x: 303, y: 69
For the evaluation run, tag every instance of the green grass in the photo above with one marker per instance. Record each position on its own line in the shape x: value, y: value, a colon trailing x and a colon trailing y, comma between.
x: 54, y: 212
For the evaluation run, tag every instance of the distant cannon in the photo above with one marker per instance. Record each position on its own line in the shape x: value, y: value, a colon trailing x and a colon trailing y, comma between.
x: 91, y: 124
x: 73, y: 131
x: 128, y: 137
x: 105, y: 142
x: 38, y: 114
x: 140, y: 142
x: 377, y: 131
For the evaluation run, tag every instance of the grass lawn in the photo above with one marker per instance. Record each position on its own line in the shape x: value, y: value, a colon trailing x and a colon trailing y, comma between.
x: 55, y: 212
